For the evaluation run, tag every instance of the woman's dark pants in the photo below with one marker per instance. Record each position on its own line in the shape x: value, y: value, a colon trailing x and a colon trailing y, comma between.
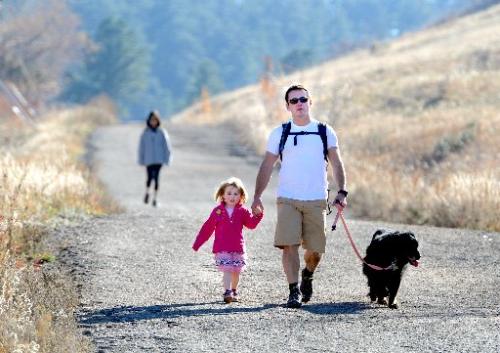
x: 153, y: 175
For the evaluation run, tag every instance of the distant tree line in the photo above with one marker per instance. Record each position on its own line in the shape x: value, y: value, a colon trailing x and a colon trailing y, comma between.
x: 164, y: 53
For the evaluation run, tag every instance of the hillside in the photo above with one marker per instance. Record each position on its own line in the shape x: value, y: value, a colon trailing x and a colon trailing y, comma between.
x: 417, y: 118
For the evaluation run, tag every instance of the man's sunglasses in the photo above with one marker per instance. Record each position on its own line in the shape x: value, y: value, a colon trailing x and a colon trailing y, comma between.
x: 296, y: 100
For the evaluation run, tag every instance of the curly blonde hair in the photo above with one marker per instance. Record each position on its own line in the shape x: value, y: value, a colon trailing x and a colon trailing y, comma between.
x: 233, y: 181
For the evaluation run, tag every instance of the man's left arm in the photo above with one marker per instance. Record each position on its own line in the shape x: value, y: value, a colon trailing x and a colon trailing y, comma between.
x: 338, y: 173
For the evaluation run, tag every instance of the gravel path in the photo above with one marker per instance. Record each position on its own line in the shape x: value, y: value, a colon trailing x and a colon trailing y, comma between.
x: 145, y: 290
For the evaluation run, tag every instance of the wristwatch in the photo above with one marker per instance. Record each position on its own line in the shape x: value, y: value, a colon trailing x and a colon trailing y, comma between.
x: 343, y: 192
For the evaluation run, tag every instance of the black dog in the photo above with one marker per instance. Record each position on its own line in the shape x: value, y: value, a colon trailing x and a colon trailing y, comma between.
x: 391, y: 251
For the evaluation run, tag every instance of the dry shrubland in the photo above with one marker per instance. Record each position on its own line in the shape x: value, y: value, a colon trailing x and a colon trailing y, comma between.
x: 43, y: 178
x: 418, y: 121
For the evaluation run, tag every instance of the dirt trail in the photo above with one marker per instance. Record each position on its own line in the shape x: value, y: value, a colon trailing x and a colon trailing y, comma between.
x: 145, y: 290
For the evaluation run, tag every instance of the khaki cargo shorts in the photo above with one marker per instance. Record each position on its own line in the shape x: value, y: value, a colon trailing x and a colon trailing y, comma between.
x: 301, y: 223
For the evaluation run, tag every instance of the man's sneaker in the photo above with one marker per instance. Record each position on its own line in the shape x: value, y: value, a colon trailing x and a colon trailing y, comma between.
x: 306, y: 285
x: 294, y: 299
x: 146, y: 198
x: 154, y: 203
x: 228, y: 296
x: 235, y: 296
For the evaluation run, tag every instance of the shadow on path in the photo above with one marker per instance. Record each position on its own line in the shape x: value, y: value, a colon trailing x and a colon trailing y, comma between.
x: 337, y: 308
x: 139, y: 313
x: 124, y: 314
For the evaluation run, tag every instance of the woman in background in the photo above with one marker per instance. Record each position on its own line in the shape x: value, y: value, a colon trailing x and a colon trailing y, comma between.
x: 154, y: 151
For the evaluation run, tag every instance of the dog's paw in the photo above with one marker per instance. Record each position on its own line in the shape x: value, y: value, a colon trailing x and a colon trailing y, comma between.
x: 394, y: 305
x: 382, y: 301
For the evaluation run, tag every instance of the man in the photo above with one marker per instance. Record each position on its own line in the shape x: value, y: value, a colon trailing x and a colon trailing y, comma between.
x: 302, y: 191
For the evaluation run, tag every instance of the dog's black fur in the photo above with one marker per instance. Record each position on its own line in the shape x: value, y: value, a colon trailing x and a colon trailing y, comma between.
x: 386, y: 249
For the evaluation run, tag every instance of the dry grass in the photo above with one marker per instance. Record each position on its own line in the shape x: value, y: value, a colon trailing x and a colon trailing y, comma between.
x: 418, y: 120
x: 37, y: 310
x: 42, y: 177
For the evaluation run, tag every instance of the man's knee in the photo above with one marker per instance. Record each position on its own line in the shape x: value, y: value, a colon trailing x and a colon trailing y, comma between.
x: 312, y: 257
x: 290, y: 249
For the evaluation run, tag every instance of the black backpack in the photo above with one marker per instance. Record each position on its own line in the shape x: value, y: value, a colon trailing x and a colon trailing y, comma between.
x: 286, y: 131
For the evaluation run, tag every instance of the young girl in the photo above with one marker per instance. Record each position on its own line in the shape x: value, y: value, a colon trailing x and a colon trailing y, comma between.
x: 227, y: 220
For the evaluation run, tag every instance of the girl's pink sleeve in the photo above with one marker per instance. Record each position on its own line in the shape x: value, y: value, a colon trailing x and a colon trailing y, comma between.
x: 206, y: 231
x: 250, y: 221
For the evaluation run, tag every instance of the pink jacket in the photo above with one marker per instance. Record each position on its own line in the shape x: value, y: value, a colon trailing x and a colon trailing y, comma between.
x: 228, y: 230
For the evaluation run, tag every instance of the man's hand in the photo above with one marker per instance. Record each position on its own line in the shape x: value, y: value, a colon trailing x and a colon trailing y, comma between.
x: 257, y: 206
x: 340, y: 200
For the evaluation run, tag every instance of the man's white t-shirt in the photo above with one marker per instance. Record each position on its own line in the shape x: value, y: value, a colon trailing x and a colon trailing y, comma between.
x: 303, y: 169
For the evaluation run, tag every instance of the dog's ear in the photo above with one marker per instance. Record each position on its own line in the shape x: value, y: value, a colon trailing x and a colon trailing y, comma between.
x: 378, y: 232
x: 409, y: 239
x: 412, y: 237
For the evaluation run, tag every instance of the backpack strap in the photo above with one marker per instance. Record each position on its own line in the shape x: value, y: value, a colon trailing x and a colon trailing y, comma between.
x: 286, y: 132
x: 322, y: 134
x: 284, y: 135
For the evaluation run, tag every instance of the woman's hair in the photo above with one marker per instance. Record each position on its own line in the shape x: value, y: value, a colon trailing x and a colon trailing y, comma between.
x: 153, y: 114
x: 237, y: 183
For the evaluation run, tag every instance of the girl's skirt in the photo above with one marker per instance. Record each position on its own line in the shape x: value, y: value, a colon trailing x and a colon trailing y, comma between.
x: 230, y: 261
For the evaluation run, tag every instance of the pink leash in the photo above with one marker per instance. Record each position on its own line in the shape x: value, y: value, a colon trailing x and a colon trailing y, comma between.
x: 334, y: 226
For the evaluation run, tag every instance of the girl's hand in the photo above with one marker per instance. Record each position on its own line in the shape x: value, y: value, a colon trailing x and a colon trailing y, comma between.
x: 257, y: 206
x: 257, y: 211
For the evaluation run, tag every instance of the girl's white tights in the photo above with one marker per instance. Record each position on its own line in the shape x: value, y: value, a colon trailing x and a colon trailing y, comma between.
x: 230, y: 280
x: 226, y: 280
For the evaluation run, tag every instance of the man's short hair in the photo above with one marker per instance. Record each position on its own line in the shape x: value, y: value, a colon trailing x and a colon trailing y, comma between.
x: 294, y: 88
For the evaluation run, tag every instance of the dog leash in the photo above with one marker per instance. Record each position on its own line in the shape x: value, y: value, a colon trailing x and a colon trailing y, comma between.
x: 356, y: 251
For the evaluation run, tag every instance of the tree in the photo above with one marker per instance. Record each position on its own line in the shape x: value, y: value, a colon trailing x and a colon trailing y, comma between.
x: 119, y: 68
x: 297, y: 59
x: 206, y: 76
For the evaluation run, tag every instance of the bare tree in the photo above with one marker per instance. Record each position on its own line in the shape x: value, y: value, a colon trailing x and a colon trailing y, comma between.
x: 38, y: 42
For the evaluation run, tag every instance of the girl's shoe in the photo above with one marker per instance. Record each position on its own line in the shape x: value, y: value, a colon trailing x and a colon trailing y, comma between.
x: 235, y: 296
x: 228, y: 296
